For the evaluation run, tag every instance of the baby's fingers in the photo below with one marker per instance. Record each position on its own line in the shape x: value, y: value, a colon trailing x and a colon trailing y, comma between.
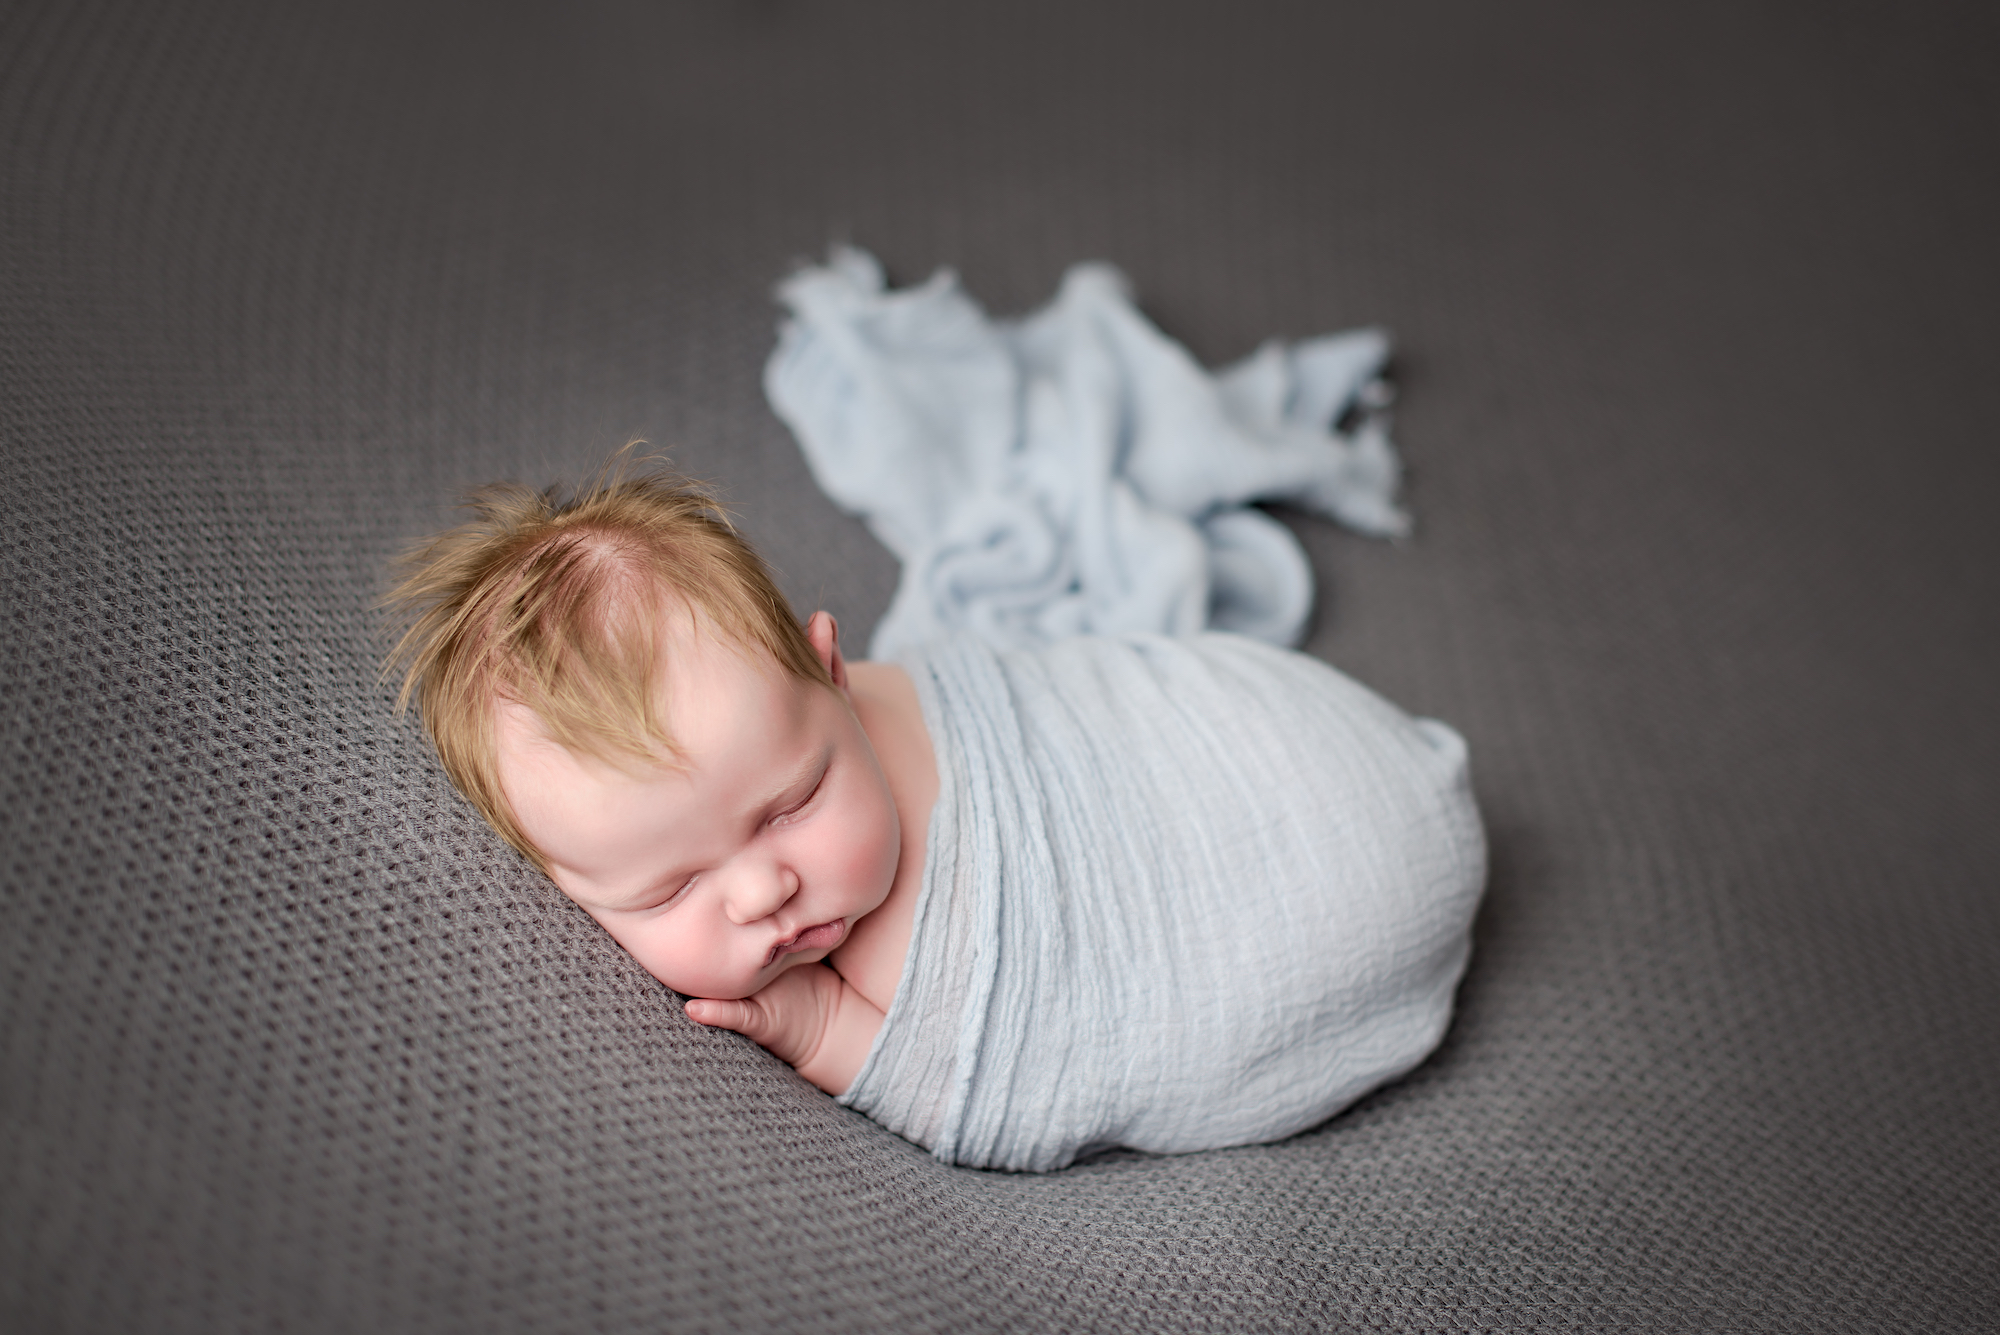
x: 741, y: 1016
x: 762, y: 1019
x: 785, y: 1017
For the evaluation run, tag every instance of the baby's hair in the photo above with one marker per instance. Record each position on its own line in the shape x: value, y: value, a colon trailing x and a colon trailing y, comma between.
x: 554, y: 601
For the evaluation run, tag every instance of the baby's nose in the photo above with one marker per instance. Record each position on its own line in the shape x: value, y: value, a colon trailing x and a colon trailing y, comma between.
x: 759, y: 890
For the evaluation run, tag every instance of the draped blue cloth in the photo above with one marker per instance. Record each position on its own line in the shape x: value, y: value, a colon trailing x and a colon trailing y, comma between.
x: 1077, y: 471
x: 1179, y: 893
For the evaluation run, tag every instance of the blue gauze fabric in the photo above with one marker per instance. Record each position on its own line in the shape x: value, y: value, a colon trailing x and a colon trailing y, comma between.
x: 1178, y: 894
x: 1077, y: 471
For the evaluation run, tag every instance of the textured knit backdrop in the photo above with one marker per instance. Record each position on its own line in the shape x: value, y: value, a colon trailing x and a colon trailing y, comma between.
x: 1697, y: 313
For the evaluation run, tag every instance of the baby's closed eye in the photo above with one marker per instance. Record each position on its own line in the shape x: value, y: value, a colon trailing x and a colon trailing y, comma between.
x: 671, y: 892
x: 793, y: 810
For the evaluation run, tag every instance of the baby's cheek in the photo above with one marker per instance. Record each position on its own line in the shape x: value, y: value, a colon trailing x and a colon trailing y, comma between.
x: 885, y: 848
x: 883, y: 840
x: 867, y: 850
x: 688, y: 963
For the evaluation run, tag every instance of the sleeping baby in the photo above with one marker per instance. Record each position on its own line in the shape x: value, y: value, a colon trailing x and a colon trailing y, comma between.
x: 1164, y: 893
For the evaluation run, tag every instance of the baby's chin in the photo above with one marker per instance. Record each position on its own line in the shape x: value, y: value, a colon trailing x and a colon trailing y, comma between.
x: 786, y: 963
x: 715, y: 989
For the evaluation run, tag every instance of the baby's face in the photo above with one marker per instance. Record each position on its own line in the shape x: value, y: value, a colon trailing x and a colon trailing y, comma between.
x: 756, y: 856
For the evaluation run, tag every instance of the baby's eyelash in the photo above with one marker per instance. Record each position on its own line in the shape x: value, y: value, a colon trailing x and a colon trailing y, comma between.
x: 677, y: 892
x: 805, y: 801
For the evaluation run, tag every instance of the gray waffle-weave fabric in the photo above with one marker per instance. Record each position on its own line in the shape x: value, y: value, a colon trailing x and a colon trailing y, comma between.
x: 1696, y: 314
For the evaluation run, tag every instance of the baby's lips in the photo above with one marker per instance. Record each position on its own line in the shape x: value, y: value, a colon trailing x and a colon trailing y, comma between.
x: 823, y: 936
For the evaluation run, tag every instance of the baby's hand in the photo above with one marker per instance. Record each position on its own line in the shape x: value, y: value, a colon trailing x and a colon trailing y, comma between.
x: 807, y: 1016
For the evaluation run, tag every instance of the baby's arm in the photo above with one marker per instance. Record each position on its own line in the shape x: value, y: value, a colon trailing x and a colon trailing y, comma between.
x: 809, y: 1016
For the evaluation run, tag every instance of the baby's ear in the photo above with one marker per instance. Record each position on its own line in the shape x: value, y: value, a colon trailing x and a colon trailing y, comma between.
x: 823, y: 633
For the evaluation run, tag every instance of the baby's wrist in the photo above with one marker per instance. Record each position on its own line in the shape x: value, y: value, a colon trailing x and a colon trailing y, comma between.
x: 848, y: 1025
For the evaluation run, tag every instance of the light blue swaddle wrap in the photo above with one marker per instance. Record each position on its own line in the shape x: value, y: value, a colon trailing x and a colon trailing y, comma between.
x: 1178, y: 894
x: 1076, y: 472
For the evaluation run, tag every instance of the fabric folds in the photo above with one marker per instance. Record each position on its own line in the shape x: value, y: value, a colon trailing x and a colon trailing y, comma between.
x: 1077, y: 471
x: 1178, y: 894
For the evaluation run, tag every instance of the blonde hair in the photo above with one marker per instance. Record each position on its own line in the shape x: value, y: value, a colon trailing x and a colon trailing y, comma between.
x: 554, y: 601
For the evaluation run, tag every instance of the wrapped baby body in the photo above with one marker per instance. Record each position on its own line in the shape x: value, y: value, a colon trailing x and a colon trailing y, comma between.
x: 1180, y: 893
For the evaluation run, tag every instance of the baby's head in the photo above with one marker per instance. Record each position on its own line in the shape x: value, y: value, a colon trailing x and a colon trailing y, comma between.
x: 616, y: 683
